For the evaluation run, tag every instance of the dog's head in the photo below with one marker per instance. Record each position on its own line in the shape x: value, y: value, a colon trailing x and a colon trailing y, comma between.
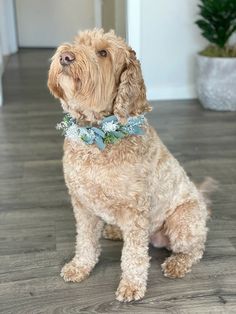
x: 98, y: 75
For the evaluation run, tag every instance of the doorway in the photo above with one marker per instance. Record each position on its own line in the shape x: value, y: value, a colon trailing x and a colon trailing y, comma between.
x: 49, y: 23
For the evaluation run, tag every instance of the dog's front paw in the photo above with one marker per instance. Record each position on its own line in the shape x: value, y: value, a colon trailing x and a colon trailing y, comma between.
x: 73, y: 272
x: 176, y: 266
x: 128, y: 291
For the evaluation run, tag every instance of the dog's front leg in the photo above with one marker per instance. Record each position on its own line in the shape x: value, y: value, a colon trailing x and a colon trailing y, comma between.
x: 87, y: 250
x: 134, y: 260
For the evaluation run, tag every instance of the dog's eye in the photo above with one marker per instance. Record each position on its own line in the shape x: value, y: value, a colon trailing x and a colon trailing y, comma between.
x: 102, y: 53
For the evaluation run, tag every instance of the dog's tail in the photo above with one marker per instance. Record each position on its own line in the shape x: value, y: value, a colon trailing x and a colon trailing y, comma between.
x: 208, y: 186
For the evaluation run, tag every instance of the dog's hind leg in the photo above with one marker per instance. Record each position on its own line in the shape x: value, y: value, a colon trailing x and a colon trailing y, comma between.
x: 186, y: 230
x: 112, y: 232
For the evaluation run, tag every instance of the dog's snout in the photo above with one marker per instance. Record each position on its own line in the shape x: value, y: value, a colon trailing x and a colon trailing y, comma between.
x: 66, y: 58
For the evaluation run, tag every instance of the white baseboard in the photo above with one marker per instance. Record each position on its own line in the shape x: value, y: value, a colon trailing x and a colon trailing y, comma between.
x: 168, y: 93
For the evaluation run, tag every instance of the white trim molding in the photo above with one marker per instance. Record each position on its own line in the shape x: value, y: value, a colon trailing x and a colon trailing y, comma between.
x: 98, y: 13
x: 8, y: 36
x: 134, y: 25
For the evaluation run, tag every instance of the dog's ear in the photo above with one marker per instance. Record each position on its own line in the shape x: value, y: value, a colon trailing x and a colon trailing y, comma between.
x: 53, y: 85
x: 131, y: 94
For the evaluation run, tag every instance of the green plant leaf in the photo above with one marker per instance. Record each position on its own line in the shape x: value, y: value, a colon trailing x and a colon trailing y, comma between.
x: 217, y: 20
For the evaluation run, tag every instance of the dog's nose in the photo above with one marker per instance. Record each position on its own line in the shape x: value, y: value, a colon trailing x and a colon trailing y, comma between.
x: 67, y: 58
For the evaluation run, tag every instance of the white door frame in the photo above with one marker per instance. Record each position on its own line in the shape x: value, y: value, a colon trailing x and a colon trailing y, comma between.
x: 8, y: 37
x: 98, y: 13
x: 133, y: 22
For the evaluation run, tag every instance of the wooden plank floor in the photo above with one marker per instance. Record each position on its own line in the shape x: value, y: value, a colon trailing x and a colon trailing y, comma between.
x: 37, y: 225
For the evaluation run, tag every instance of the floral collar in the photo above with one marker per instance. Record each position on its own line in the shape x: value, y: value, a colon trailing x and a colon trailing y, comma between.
x: 109, y: 130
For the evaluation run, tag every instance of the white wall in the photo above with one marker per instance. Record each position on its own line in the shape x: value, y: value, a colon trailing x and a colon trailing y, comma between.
x: 47, y: 23
x: 167, y: 44
x: 8, y: 40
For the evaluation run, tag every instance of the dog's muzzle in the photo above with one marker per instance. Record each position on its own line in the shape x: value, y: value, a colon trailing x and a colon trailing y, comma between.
x: 66, y: 58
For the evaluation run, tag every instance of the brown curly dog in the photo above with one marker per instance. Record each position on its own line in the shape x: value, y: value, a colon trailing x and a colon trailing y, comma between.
x: 135, y: 185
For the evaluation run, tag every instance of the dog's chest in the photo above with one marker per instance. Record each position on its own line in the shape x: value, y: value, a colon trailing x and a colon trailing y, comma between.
x: 99, y: 183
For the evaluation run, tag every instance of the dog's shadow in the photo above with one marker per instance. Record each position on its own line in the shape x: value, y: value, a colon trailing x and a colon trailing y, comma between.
x: 112, y: 250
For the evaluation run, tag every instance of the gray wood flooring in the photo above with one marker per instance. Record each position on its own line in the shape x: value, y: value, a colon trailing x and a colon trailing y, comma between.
x: 37, y: 225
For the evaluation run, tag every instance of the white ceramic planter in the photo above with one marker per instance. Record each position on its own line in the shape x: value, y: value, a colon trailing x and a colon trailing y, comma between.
x: 216, y: 83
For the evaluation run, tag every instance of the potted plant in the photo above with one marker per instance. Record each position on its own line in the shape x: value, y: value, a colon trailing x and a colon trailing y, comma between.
x: 216, y: 65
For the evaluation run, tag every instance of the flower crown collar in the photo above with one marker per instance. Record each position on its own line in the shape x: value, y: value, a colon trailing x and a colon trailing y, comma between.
x: 109, y: 130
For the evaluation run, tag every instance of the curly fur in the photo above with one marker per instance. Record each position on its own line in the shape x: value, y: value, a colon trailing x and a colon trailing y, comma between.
x: 136, y: 186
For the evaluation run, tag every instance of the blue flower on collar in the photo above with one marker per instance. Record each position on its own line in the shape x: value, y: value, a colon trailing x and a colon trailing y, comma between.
x: 109, y: 130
